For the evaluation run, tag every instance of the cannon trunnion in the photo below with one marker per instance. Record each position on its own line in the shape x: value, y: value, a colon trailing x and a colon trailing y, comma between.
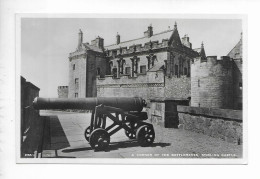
x: 125, y: 112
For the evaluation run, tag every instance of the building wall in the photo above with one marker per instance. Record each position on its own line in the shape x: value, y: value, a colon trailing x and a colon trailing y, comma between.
x: 63, y: 91
x: 224, y: 124
x: 160, y: 57
x: 145, y: 86
x: 179, y: 88
x: 31, y: 123
x: 80, y: 73
x: 212, y: 83
x: 238, y: 84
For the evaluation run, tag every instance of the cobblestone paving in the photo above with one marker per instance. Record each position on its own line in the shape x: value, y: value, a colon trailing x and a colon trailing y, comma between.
x: 64, y: 138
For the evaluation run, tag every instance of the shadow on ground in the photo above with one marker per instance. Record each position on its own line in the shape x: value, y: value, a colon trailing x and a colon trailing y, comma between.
x: 54, y: 135
x: 117, y: 145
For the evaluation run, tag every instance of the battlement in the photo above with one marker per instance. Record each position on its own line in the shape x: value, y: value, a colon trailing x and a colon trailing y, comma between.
x: 63, y: 87
x: 225, y: 61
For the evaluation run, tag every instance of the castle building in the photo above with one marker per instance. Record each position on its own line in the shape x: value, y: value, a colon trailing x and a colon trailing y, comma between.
x: 157, y: 65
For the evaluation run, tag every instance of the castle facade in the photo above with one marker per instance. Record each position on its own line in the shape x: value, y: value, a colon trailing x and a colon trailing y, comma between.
x: 160, y: 65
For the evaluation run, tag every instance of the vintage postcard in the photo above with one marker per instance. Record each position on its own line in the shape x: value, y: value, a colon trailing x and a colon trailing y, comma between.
x: 153, y: 89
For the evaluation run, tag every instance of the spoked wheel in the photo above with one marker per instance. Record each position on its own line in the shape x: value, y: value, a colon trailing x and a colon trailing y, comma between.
x: 131, y: 135
x: 87, y: 133
x: 145, y: 135
x: 99, y: 139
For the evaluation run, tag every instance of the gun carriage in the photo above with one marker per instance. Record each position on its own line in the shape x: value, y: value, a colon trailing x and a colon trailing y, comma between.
x: 124, y: 112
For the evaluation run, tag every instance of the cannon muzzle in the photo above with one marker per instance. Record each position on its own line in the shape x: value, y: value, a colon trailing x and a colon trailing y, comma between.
x: 124, y: 103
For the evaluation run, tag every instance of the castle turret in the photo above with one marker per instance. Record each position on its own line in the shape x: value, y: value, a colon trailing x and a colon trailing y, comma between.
x: 212, y: 82
x: 80, y: 40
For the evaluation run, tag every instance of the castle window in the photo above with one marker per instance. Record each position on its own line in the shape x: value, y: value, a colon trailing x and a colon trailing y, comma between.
x: 76, y: 83
x: 98, y: 71
x: 143, y: 69
x: 127, y: 70
x: 176, y: 70
x: 74, y: 66
x: 198, y: 83
x: 185, y: 71
x: 114, y: 72
x: 240, y: 85
x: 76, y: 95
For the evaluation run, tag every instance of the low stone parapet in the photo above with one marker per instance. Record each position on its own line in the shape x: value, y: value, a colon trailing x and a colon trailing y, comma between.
x: 225, y: 124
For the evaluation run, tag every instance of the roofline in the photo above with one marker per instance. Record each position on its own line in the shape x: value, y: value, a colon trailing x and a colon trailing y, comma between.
x: 139, y: 38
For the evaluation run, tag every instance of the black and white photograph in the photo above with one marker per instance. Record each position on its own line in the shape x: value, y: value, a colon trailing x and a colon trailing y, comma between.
x: 131, y: 88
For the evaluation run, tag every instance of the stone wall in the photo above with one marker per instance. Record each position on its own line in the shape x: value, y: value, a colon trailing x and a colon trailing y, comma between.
x: 225, y: 124
x: 63, y: 91
x: 31, y: 123
x: 77, y: 70
x: 144, y: 85
x: 177, y: 87
x: 212, y: 83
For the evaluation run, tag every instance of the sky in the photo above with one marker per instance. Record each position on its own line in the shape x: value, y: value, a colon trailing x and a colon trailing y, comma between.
x: 47, y: 42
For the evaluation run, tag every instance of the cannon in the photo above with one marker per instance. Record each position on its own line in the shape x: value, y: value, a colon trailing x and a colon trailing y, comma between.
x: 124, y: 112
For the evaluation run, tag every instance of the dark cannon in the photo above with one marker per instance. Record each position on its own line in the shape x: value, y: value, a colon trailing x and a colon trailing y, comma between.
x: 125, y: 112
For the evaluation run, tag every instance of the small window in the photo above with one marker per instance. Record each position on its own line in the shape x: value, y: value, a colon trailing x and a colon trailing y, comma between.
x: 74, y: 66
x: 198, y: 83
x: 176, y: 70
x: 185, y: 71
x: 240, y: 85
x: 76, y: 83
x: 76, y: 95
x: 143, y: 69
x: 127, y: 70
x: 98, y: 71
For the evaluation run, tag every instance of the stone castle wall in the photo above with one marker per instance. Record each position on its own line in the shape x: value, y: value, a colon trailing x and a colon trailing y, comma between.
x: 63, y: 91
x: 225, y: 124
x: 145, y: 86
x: 212, y: 83
x: 80, y: 73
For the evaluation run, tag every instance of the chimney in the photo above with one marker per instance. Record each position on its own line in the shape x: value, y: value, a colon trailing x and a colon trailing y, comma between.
x: 149, y: 32
x: 117, y: 39
x: 186, y: 41
x: 80, y: 40
x: 98, y: 42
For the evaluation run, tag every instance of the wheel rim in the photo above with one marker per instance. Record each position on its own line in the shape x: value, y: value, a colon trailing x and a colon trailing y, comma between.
x: 99, y: 139
x: 145, y: 135
x: 131, y: 135
x: 87, y: 133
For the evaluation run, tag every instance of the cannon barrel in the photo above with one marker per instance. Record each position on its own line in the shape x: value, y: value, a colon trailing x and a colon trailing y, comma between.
x: 125, y: 103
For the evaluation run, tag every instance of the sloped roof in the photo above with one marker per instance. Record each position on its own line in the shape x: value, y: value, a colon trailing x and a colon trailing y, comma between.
x: 175, y: 38
x: 156, y: 37
x: 236, y: 52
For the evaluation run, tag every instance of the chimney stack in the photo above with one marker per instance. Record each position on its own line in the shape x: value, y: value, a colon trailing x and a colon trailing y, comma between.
x: 80, y: 40
x: 117, y: 39
x: 149, y: 32
x: 98, y: 42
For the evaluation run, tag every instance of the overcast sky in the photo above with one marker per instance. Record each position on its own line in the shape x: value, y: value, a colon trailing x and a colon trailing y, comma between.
x: 47, y: 42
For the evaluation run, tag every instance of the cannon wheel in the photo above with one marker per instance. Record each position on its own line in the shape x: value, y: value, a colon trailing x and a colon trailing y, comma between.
x: 87, y: 133
x: 145, y: 135
x: 99, y: 139
x: 133, y: 126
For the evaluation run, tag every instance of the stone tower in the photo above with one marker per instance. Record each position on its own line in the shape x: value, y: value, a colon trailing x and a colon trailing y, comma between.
x: 212, y: 82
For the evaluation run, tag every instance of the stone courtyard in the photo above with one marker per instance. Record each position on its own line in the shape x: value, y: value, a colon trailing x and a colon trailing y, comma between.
x: 64, y: 138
